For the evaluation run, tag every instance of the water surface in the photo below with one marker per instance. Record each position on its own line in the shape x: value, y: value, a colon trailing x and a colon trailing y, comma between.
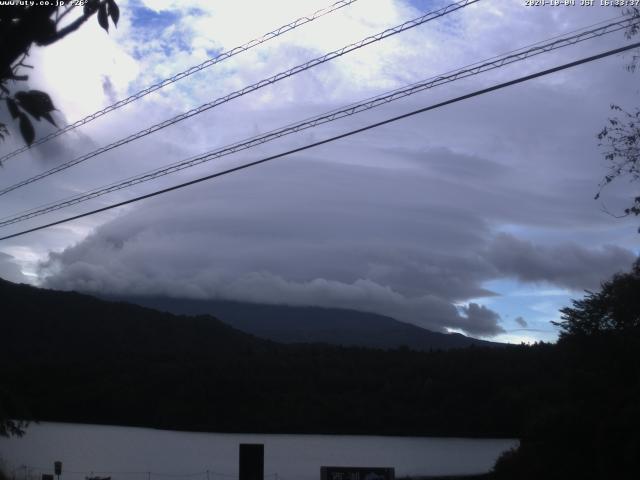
x: 126, y: 453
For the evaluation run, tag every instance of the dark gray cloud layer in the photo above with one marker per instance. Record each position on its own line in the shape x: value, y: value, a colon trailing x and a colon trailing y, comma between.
x: 324, y: 233
x: 410, y: 220
x: 521, y: 321
x: 10, y: 270
x: 567, y: 265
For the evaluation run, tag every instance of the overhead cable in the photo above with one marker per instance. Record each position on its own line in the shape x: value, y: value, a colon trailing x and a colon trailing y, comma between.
x: 251, y: 88
x: 374, y: 102
x: 189, y: 71
x: 331, y: 139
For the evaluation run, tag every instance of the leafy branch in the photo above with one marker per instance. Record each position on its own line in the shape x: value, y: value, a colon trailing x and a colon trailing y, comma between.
x: 20, y: 28
x: 621, y: 136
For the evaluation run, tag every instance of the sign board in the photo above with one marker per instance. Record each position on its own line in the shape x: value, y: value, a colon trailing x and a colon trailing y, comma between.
x: 57, y: 468
x: 357, y: 473
x: 251, y: 461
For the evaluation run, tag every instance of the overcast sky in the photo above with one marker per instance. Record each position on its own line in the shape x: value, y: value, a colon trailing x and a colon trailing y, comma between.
x: 478, y: 217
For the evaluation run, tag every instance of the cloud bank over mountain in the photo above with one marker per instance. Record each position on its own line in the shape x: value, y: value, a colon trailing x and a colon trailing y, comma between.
x: 416, y: 220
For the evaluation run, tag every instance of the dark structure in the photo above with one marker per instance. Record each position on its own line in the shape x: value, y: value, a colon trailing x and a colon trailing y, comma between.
x: 251, y: 461
x: 356, y: 473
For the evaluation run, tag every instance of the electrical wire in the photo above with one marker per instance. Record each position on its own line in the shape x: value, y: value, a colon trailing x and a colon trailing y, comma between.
x: 190, y: 71
x: 374, y: 102
x: 251, y: 88
x: 334, y: 138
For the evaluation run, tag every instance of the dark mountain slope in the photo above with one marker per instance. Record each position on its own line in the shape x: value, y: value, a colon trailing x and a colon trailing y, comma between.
x: 334, y: 326
x: 72, y: 357
x: 47, y: 321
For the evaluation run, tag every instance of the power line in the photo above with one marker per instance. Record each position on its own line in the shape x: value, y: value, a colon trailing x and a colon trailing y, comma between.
x: 190, y: 71
x: 374, y: 102
x: 334, y: 138
x: 251, y: 88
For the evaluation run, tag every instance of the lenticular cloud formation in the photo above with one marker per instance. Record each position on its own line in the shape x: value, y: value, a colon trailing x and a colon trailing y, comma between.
x: 425, y: 220
x: 331, y: 248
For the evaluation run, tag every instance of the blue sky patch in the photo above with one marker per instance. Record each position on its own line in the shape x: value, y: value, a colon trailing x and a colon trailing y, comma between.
x: 426, y: 5
x: 537, y: 304
x: 147, y: 19
x: 152, y: 25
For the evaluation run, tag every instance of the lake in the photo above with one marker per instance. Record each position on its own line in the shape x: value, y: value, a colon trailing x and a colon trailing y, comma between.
x: 126, y: 453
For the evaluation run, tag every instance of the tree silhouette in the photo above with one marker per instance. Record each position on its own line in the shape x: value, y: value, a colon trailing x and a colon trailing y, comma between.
x: 621, y: 136
x: 22, y: 26
x: 587, y: 424
x: 616, y: 307
x: 10, y: 410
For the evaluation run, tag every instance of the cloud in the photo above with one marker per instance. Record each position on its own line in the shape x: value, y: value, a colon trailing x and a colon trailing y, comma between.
x: 261, y: 287
x: 567, y: 265
x: 521, y: 321
x: 302, y: 232
x: 108, y: 89
x: 10, y: 270
x: 482, y: 319
x: 404, y: 220
x: 329, y: 248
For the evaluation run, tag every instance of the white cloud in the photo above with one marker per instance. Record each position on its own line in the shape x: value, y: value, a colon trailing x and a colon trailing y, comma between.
x: 404, y: 220
x: 10, y: 270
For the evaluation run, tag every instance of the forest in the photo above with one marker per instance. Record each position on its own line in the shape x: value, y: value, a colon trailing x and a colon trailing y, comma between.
x: 575, y: 405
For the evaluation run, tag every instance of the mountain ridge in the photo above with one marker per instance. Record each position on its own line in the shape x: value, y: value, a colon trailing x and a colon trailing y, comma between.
x: 311, y: 324
x: 71, y: 357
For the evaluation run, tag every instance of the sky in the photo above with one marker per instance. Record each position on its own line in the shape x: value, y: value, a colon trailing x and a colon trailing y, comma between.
x: 477, y: 218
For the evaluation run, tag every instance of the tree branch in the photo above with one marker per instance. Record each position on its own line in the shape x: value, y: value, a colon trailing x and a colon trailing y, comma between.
x: 72, y: 27
x: 62, y: 15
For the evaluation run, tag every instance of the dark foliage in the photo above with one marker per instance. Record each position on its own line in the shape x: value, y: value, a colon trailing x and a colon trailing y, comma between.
x: 450, y: 477
x: 72, y: 357
x: 621, y: 140
x: 297, y: 324
x: 591, y: 427
x: 10, y: 410
x: 621, y: 136
x: 574, y: 405
x: 22, y: 26
x: 616, y: 307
